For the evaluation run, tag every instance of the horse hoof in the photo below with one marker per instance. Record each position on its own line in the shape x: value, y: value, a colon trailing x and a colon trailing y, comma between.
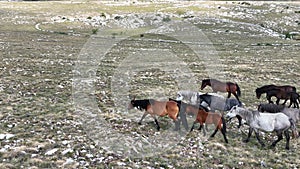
x: 246, y: 140
x: 139, y: 123
x: 287, y: 148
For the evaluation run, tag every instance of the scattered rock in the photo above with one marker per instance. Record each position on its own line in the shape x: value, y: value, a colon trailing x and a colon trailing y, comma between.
x: 6, y: 136
x: 51, y: 152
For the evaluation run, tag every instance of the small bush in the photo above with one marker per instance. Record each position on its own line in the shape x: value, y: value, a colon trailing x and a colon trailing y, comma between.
x: 94, y: 31
x: 166, y: 19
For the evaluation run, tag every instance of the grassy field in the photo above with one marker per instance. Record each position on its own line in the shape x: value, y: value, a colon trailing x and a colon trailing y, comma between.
x: 46, y: 121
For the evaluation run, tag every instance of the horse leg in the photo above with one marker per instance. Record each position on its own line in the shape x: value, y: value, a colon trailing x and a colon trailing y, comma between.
x: 177, y: 125
x: 192, y: 127
x: 287, y: 136
x: 213, y: 134
x: 279, y: 137
x: 258, y: 139
x: 201, y: 126
x: 224, y: 134
x: 229, y: 94
x: 184, y: 120
x: 284, y: 101
x: 269, y: 99
x: 156, y: 122
x: 277, y: 101
x: 206, y: 127
x: 240, y: 121
x: 295, y: 103
x: 144, y: 115
x: 249, y: 135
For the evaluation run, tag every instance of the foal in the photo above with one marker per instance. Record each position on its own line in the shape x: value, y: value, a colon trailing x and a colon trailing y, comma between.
x: 203, y: 116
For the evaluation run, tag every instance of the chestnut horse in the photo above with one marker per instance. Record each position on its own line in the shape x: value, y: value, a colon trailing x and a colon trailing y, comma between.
x: 205, y: 117
x: 216, y: 85
x: 154, y: 107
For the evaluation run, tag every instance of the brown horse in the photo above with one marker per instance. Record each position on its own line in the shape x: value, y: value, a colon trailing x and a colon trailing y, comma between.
x: 280, y: 92
x: 216, y: 85
x: 154, y: 107
x: 205, y: 117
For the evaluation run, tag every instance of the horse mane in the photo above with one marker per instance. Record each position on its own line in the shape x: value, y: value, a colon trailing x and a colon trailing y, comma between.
x: 264, y: 88
x: 141, y: 104
x: 249, y: 114
x: 255, y: 113
x: 206, y: 80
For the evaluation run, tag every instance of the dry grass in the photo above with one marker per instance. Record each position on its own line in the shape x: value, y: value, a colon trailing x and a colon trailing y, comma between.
x: 37, y: 69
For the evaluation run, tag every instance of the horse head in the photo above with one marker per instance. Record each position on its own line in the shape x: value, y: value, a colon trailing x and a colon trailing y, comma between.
x: 233, y: 112
x: 258, y: 93
x: 205, y: 82
x: 179, y: 96
x: 131, y: 104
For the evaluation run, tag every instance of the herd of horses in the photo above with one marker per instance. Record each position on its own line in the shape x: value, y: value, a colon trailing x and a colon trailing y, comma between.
x: 268, y: 117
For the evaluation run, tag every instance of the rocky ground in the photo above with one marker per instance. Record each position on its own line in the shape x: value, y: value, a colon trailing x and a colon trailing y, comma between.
x: 63, y: 106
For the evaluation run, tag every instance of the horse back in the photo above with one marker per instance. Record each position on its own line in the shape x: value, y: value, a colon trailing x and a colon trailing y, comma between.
x: 292, y: 113
x: 214, y: 118
x: 217, y: 85
x: 270, y: 122
x: 158, y: 107
x: 163, y: 108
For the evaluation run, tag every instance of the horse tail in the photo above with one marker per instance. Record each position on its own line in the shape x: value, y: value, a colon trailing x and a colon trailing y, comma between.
x: 293, y: 128
x: 238, y: 89
x: 223, y: 123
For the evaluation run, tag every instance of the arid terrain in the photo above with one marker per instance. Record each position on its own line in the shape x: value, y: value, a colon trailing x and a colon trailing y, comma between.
x: 69, y: 69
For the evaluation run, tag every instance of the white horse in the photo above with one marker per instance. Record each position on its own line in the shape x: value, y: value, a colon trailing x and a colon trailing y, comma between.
x: 274, y: 108
x: 191, y: 97
x: 268, y: 122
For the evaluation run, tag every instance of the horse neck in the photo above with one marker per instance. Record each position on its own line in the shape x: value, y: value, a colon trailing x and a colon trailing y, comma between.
x: 265, y: 88
x: 141, y: 104
x: 246, y: 114
x: 205, y: 83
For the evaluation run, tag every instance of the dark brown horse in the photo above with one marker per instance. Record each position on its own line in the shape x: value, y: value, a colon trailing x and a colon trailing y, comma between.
x: 280, y: 92
x: 205, y: 117
x: 216, y: 85
x: 154, y: 107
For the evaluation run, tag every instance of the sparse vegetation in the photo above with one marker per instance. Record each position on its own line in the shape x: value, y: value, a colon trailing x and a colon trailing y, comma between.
x: 38, y: 69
